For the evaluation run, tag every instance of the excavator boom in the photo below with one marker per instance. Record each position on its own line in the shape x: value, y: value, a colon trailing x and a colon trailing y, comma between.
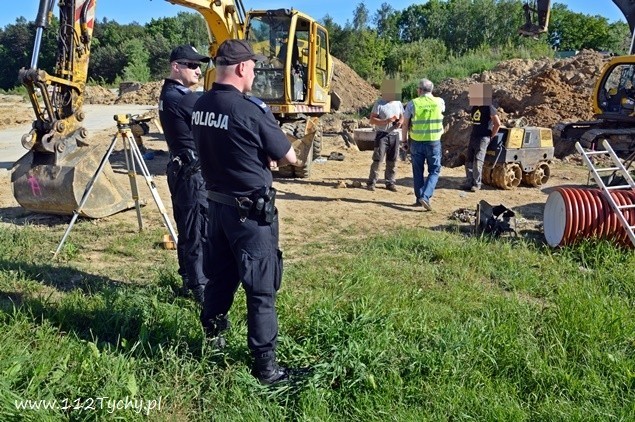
x: 225, y: 19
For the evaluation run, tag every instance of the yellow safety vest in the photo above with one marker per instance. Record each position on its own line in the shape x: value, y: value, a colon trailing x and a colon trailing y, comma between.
x: 427, y: 121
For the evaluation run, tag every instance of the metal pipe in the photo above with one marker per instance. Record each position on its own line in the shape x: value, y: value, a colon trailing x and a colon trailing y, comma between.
x: 41, y: 23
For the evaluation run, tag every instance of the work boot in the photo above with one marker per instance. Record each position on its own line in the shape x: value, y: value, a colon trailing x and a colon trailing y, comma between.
x: 370, y: 186
x: 199, y: 293
x: 267, y: 370
x: 391, y: 187
x: 214, y: 330
x: 183, y: 290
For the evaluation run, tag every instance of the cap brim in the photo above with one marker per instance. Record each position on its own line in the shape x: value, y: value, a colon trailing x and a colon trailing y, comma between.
x: 259, y: 58
x: 203, y: 59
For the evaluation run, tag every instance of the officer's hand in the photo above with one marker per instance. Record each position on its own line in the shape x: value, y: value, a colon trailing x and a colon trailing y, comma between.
x: 298, y: 163
x: 273, y: 165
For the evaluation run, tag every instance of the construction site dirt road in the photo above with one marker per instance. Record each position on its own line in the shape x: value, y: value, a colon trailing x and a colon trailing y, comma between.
x: 333, y: 200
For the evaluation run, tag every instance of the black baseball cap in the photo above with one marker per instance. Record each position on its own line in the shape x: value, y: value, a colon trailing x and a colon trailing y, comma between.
x: 187, y: 52
x: 235, y: 51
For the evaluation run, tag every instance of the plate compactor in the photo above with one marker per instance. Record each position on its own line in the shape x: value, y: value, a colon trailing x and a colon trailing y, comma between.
x: 518, y: 155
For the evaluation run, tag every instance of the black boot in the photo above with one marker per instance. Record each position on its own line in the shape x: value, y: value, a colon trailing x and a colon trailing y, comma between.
x: 199, y: 293
x: 214, y: 330
x: 267, y: 370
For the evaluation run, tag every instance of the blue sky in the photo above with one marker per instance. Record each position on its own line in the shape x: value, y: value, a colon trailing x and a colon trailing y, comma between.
x: 142, y: 11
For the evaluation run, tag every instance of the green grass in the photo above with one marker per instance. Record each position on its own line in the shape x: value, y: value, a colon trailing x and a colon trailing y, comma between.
x: 418, y: 325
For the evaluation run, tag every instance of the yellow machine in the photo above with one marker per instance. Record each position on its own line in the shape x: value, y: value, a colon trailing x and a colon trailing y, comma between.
x: 613, y: 99
x: 295, y: 82
x: 518, y: 155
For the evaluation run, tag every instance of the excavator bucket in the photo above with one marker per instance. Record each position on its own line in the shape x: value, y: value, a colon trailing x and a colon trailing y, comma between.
x: 303, y: 147
x: 42, y: 185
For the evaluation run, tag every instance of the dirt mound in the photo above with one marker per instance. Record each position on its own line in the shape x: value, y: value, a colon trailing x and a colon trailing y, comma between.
x: 95, y: 94
x: 145, y: 94
x: 355, y: 92
x: 544, y: 92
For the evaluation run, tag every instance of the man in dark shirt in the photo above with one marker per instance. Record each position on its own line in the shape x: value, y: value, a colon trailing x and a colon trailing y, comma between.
x: 187, y: 188
x: 485, y: 125
x: 239, y: 141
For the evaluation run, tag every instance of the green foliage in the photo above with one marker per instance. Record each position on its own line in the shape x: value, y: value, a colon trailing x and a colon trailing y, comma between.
x: 412, y: 58
x: 575, y: 31
x: 137, y: 56
x: 472, y: 62
x: 366, y: 53
x: 422, y: 39
x: 482, y: 329
x: 107, y: 62
x: 16, y: 46
x: 184, y: 28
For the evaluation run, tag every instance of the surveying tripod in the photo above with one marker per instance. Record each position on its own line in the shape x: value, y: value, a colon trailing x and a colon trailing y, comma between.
x: 133, y: 158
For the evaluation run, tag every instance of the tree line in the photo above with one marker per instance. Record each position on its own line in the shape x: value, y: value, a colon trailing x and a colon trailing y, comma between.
x: 414, y: 42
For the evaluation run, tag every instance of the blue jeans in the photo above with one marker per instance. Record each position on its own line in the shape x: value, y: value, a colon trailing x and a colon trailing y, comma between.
x: 421, y: 153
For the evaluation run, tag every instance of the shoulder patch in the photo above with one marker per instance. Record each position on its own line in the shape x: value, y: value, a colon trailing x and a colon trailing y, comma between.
x: 182, y: 89
x: 261, y: 104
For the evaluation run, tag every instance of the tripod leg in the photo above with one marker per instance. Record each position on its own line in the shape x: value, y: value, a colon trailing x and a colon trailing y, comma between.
x: 153, y: 189
x: 128, y: 141
x: 86, y: 195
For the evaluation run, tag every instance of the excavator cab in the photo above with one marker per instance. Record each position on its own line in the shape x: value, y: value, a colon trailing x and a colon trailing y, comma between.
x: 615, y: 90
x: 295, y: 79
x: 284, y: 37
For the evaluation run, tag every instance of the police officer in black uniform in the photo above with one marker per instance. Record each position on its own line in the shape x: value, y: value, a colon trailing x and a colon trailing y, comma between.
x: 187, y: 188
x: 239, y: 141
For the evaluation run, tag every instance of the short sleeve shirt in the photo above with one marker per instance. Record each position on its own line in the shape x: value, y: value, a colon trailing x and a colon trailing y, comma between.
x: 385, y: 110
x: 236, y: 135
x: 482, y: 120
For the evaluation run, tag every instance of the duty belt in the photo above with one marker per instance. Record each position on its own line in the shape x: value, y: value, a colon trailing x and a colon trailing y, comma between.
x: 261, y: 202
x: 243, y: 203
x: 184, y: 156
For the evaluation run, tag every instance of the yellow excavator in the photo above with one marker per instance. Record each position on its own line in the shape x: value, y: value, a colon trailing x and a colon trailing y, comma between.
x: 61, y: 160
x: 613, y: 99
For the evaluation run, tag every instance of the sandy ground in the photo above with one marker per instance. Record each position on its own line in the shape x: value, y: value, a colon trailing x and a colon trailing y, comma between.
x: 333, y: 202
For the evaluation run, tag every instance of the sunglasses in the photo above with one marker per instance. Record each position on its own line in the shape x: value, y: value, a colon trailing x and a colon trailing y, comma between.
x: 190, y: 65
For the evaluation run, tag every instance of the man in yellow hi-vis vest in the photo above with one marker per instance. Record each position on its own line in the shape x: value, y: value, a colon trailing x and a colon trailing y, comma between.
x: 423, y: 127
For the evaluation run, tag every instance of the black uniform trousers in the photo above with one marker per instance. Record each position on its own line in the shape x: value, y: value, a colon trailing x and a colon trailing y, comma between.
x: 189, y: 204
x: 244, y: 252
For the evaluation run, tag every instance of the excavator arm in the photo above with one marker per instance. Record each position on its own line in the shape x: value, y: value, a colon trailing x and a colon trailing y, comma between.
x: 225, y: 19
x: 57, y: 99
x: 52, y: 176
x: 537, y: 15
